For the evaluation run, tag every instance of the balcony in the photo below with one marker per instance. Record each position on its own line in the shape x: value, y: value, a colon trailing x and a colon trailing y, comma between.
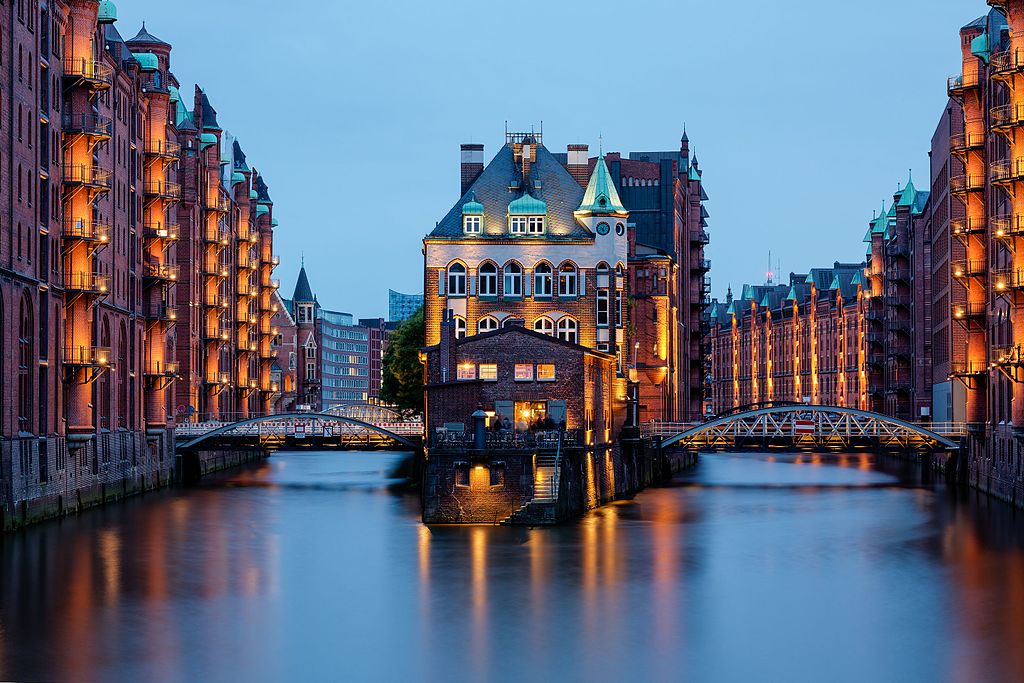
x: 963, y: 227
x: 246, y: 263
x: 273, y: 260
x: 162, y: 189
x: 966, y: 269
x: 221, y: 378
x: 162, y: 148
x: 1004, y: 280
x: 160, y: 312
x: 275, y: 284
x: 958, y: 84
x: 897, y: 248
x: 216, y: 302
x: 218, y: 203
x: 898, y: 274
x: 87, y: 283
x: 162, y: 369
x: 91, y: 125
x: 97, y: 74
x: 968, y: 368
x: 899, y: 351
x: 161, y: 231
x: 87, y: 230
x: 244, y: 289
x: 160, y: 272
x: 901, y: 301
x: 965, y: 142
x: 216, y: 270
x: 1008, y: 225
x: 875, y: 358
x: 217, y: 235
x: 702, y: 266
x: 214, y: 333
x: 699, y: 237
x: 875, y: 338
x: 969, y: 311
x: 1007, y: 171
x: 1008, y: 356
x: 87, y: 356
x: 1007, y: 115
x: 1005, y: 63
x: 962, y: 184
x: 87, y: 175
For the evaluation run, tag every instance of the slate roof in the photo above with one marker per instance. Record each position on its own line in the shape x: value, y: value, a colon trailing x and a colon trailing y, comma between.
x: 116, y: 45
x: 239, y: 157
x: 262, y: 192
x: 303, y: 292
x: 557, y: 189
x: 144, y: 37
x: 209, y: 115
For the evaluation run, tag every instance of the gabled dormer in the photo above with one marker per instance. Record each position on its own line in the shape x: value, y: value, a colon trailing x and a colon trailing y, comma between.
x: 472, y: 216
x: 527, y: 216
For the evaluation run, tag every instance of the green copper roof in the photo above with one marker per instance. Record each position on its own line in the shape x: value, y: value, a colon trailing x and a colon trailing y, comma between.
x: 810, y: 279
x: 206, y: 140
x: 867, y: 236
x: 693, y: 174
x: 857, y: 279
x: 253, y: 194
x: 880, y: 223
x: 237, y: 177
x: 835, y: 283
x: 107, y: 13
x: 274, y: 222
x: 980, y: 47
x: 262, y: 210
x: 792, y: 294
x: 601, y: 197
x: 732, y: 308
x: 147, y: 60
x: 764, y: 301
x: 527, y: 205
x: 472, y: 207
x: 909, y: 194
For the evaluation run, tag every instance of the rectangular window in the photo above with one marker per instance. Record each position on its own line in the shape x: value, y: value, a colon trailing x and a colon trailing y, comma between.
x: 472, y: 224
x: 497, y: 474
x: 462, y: 474
x: 536, y: 225
x: 545, y: 372
x: 524, y: 372
x: 517, y: 225
x: 618, y: 308
x: 467, y: 371
x: 489, y: 372
x: 602, y: 308
x: 310, y: 370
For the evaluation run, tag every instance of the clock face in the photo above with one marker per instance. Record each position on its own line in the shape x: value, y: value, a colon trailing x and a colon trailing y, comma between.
x: 602, y: 228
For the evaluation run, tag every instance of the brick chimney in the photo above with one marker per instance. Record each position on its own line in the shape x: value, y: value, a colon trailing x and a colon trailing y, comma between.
x: 446, y: 347
x: 578, y: 163
x: 472, y: 165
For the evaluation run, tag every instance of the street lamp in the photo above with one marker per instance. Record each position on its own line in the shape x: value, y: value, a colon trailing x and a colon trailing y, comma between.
x: 636, y: 347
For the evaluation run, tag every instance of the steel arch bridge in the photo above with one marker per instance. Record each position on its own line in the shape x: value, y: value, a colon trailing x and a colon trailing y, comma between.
x: 315, y: 429
x: 805, y: 428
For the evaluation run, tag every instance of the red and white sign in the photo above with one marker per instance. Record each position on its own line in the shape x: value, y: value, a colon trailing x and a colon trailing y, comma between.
x: 300, y: 430
x: 803, y: 427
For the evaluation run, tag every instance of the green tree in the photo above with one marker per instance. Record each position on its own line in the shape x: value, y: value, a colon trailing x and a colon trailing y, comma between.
x: 402, y: 378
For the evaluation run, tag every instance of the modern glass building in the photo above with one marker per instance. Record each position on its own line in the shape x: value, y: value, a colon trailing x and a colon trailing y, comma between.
x: 402, y: 306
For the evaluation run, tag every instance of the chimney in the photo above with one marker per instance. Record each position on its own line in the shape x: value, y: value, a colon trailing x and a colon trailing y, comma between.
x: 446, y: 347
x: 472, y: 165
x: 578, y: 163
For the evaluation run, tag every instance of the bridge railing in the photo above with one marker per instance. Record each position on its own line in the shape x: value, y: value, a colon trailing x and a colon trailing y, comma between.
x: 506, y: 440
x: 667, y: 428
x: 288, y: 427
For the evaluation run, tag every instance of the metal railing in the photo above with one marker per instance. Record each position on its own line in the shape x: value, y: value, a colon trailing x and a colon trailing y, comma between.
x: 969, y: 268
x: 89, y: 69
x: 960, y: 184
x: 221, y: 378
x: 163, y: 189
x: 162, y: 148
x: 507, y: 440
x: 162, y: 368
x: 959, y: 82
x: 87, y: 356
x: 160, y: 231
x: 1007, y: 170
x: 86, y: 229
x: 966, y: 368
x: 94, y: 125
x: 217, y: 235
x: 218, y: 203
x: 1006, y: 115
x: 1007, y: 60
x: 86, y: 282
x: 160, y: 311
x: 161, y: 271
x: 87, y: 175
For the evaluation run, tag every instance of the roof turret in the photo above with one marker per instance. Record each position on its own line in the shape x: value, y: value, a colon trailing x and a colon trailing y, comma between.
x: 600, y: 197
x: 107, y: 13
x: 144, y: 37
x: 303, y: 292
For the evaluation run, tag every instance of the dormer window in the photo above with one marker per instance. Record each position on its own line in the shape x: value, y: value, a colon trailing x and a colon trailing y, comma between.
x: 517, y: 225
x: 526, y: 216
x: 472, y: 216
x: 536, y: 225
x: 472, y: 225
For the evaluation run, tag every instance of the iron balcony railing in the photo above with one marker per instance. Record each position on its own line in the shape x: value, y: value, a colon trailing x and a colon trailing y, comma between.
x: 962, y: 142
x: 87, y: 356
x: 699, y: 237
x: 1006, y: 115
x: 897, y: 249
x: 962, y: 227
x: 904, y: 301
x: 275, y: 284
x: 1008, y: 356
x: 161, y: 271
x: 87, y: 175
x: 221, y: 378
x: 968, y: 268
x: 958, y: 83
x: 218, y: 203
x: 162, y: 148
x: 86, y: 283
x: 93, y: 125
x: 246, y: 263
x: 507, y: 440
x: 161, y: 231
x: 898, y: 274
x: 214, y: 333
x: 163, y: 189
x: 217, y: 235
x: 968, y: 368
x: 1003, y: 280
x: 86, y: 229
x: 162, y: 368
x: 1007, y: 61
x: 969, y: 310
x: 217, y: 270
x: 1007, y: 225
x: 961, y: 184
x: 94, y: 71
x: 161, y: 311
x: 216, y: 301
x: 272, y: 259
x: 1008, y: 170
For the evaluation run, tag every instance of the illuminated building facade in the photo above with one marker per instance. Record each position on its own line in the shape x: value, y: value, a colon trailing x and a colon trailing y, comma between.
x: 986, y: 180
x: 91, y: 295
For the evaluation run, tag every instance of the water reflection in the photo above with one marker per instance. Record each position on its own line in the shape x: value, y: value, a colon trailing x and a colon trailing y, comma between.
x: 313, y: 567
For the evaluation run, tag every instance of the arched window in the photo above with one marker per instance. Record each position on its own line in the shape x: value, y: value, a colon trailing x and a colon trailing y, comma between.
x: 460, y: 327
x: 602, y: 268
x: 456, y: 280
x: 542, y: 280
x: 567, y: 280
x: 122, y: 379
x: 488, y: 279
x: 544, y: 326
x: 567, y: 329
x: 513, y: 279
x: 25, y: 337
x: 103, y: 385
x: 488, y: 324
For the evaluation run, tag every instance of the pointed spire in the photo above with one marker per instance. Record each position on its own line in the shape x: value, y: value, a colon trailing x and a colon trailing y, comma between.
x: 601, y: 197
x: 685, y: 138
x: 303, y: 292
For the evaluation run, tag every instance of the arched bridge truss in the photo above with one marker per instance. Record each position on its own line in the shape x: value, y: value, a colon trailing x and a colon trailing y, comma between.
x: 804, y: 427
x: 313, y: 429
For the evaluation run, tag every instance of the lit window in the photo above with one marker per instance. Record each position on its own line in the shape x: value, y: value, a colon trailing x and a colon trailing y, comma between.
x: 602, y: 308
x: 487, y: 324
x: 489, y: 372
x: 544, y: 326
x: 566, y: 330
x: 517, y: 225
x: 467, y: 371
x: 545, y: 372
x: 472, y: 224
x: 567, y: 280
x: 460, y: 327
x: 513, y: 279
x: 456, y: 280
x: 536, y: 225
x: 542, y: 280
x: 524, y: 372
x: 488, y: 280
x: 618, y: 308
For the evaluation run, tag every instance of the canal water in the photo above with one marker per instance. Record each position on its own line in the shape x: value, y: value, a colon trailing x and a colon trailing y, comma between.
x: 314, y: 567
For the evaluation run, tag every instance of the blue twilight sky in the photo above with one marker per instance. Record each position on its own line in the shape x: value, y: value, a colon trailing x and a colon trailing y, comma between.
x: 804, y: 114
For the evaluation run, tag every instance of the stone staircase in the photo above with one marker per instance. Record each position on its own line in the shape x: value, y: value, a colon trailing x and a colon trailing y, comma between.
x: 541, y: 508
